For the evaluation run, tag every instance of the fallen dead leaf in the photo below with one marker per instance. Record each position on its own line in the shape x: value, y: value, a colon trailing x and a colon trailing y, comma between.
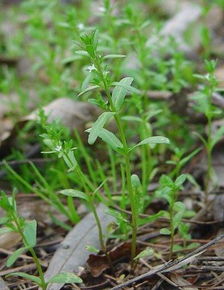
x: 72, y: 114
x: 9, y: 240
x: 181, y: 282
x: 97, y: 264
x: 219, y: 247
x: 219, y: 73
x: 73, y: 253
x: 3, y: 285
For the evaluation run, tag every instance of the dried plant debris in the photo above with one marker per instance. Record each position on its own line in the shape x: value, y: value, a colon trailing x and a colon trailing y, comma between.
x: 72, y: 253
x: 135, y: 199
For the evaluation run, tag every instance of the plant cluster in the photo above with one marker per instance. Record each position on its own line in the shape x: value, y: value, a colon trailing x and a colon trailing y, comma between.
x: 117, y: 71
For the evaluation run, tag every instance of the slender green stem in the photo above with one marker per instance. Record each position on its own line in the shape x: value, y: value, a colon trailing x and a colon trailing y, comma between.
x: 171, y: 232
x: 32, y: 252
x: 127, y: 159
x: 209, y: 148
x: 92, y: 206
x: 209, y: 161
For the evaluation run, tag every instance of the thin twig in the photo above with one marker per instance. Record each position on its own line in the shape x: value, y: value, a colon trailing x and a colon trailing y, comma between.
x: 172, y: 265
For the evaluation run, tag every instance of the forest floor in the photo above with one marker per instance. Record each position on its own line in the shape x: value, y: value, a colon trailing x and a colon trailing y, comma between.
x: 111, y: 144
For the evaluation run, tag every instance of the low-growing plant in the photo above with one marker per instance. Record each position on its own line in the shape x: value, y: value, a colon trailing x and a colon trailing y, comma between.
x: 204, y: 104
x: 169, y: 190
x: 112, y: 104
x: 27, y: 229
x: 65, y: 150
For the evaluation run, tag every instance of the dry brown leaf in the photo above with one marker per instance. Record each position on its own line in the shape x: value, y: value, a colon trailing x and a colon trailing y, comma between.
x: 219, y: 73
x: 73, y: 253
x: 183, y: 15
x: 175, y: 27
x: 219, y: 247
x: 3, y: 285
x: 97, y: 264
x: 181, y: 282
x: 9, y: 240
x: 72, y: 114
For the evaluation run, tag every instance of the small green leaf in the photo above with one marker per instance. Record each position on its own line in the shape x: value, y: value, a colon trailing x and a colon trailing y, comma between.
x: 74, y: 193
x: 65, y: 277
x: 165, y: 180
x: 132, y: 119
x: 120, y: 91
x: 179, y: 206
x: 152, y: 218
x: 82, y: 52
x: 92, y: 249
x: 188, y: 157
x: 145, y: 253
x: 152, y: 114
x: 193, y: 245
x: 30, y: 232
x: 177, y: 248
x: 70, y: 160
x: 165, y: 231
x: 180, y: 180
x: 15, y: 255
x: 110, y: 139
x: 109, y: 56
x: 189, y: 213
x: 217, y: 136
x: 88, y: 90
x: 152, y: 140
x: 129, y: 89
x: 98, y: 125
x: 3, y: 221
x: 35, y: 279
x: 117, y: 215
x: 135, y: 181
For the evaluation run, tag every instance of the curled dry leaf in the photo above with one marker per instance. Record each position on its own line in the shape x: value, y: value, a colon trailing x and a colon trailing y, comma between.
x: 181, y: 282
x: 9, y: 240
x: 97, y: 264
x: 72, y: 114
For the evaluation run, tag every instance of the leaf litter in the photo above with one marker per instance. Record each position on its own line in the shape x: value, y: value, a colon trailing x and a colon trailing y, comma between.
x: 71, y: 253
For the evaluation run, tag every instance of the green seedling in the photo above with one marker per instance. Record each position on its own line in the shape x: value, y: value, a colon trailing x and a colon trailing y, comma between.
x: 176, y: 210
x: 205, y: 105
x: 179, y: 160
x: 65, y: 150
x: 27, y: 229
x: 113, y: 105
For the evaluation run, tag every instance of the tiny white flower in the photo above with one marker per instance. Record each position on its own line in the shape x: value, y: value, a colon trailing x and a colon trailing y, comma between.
x: 80, y: 26
x: 207, y: 76
x: 58, y: 148
x: 91, y: 68
x: 102, y: 9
